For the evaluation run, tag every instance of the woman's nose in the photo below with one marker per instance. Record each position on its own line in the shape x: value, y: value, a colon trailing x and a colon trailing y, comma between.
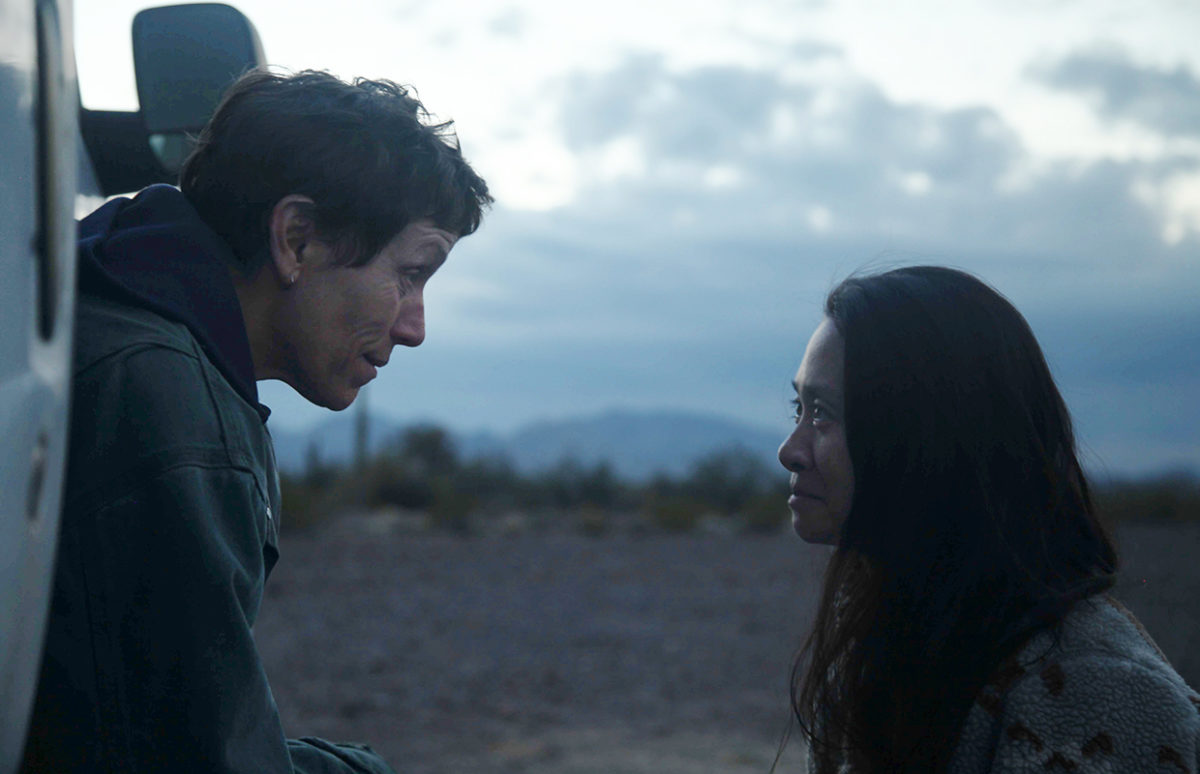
x: 409, y: 328
x: 795, y: 453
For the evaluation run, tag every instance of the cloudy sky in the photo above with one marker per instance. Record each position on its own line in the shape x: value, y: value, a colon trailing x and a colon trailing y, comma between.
x: 679, y: 184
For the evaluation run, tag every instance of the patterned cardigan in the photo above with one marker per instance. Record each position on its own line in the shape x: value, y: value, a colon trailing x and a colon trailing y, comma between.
x: 1104, y: 699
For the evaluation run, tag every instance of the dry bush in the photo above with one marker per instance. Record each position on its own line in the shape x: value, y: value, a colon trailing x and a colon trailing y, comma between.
x: 766, y: 513
x: 302, y: 503
x: 1170, y: 498
x: 674, y: 513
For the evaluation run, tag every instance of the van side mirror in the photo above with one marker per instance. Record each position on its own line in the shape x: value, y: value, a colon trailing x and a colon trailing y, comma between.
x: 184, y: 57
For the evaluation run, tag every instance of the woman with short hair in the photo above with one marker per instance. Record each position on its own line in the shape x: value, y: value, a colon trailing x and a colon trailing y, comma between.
x: 963, y: 624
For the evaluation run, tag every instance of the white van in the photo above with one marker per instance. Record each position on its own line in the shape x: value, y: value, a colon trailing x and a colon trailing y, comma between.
x: 57, y: 163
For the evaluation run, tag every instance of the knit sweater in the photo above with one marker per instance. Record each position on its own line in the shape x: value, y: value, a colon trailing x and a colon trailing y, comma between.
x: 1101, y: 699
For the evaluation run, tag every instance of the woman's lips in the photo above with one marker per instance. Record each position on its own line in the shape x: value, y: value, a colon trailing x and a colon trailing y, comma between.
x: 800, y: 496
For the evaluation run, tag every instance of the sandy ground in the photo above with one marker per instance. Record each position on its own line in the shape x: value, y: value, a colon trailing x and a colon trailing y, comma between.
x: 562, y: 653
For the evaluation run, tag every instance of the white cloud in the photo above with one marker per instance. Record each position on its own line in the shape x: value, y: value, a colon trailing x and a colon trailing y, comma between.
x: 916, y: 183
x: 819, y: 218
x: 1177, y: 199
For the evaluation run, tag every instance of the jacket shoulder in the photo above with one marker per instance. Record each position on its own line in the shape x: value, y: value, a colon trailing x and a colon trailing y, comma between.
x: 1099, y: 697
x: 105, y: 328
x: 146, y: 398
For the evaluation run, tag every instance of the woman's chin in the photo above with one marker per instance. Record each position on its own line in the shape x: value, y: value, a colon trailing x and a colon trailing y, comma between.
x: 342, y: 399
x: 330, y: 398
x: 812, y: 531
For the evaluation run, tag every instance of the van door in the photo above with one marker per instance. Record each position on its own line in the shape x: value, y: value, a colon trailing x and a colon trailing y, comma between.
x: 38, y: 131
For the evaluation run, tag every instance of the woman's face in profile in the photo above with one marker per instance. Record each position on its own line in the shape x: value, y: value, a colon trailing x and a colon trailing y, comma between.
x: 822, y: 479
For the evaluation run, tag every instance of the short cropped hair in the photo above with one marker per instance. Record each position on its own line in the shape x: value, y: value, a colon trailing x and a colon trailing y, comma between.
x: 365, y: 152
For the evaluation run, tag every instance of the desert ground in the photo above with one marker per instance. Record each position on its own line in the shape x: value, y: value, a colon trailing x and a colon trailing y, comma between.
x: 553, y: 651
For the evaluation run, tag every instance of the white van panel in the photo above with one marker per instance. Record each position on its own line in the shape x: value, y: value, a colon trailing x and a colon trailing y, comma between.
x: 39, y: 137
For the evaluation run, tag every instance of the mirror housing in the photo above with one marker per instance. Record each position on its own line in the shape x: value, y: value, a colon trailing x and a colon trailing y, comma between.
x: 184, y: 57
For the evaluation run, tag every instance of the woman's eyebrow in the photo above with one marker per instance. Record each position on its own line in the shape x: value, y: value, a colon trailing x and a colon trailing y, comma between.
x: 822, y: 392
x: 432, y: 251
x: 814, y: 389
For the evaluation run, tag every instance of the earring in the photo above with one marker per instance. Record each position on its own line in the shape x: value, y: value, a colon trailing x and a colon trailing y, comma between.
x: 291, y: 280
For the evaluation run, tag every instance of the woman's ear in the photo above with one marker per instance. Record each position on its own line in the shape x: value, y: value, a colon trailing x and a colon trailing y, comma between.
x: 291, y: 229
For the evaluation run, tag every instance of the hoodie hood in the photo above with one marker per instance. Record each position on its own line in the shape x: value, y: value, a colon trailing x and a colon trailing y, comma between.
x: 155, y: 252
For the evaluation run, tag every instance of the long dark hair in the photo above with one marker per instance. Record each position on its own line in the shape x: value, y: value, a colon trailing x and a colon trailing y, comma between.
x: 971, y: 525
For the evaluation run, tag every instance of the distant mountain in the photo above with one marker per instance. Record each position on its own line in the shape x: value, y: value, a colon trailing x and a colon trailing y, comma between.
x: 636, y: 443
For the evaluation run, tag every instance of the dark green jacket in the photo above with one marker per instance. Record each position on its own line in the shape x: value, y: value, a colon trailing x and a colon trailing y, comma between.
x: 169, y: 531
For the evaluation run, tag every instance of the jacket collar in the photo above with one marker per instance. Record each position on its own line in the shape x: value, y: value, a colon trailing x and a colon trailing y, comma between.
x: 155, y: 252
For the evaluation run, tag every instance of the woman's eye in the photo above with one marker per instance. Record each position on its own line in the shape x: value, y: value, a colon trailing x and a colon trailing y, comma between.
x: 820, y: 414
x: 410, y: 276
x: 817, y: 413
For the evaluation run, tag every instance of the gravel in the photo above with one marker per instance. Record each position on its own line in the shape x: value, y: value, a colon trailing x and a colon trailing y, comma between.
x: 573, y: 654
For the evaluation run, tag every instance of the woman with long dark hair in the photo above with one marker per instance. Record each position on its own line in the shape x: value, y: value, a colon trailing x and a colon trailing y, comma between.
x: 963, y: 624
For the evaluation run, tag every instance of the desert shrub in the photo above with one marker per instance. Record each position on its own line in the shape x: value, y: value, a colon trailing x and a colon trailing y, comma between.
x: 302, y: 503
x: 450, y: 507
x: 674, y: 513
x: 599, y: 486
x: 563, y: 484
x: 492, y: 481
x: 387, y: 481
x: 728, y: 479
x: 1173, y: 497
x: 661, y: 485
x: 318, y: 474
x: 765, y: 513
x: 426, y: 450
x: 570, y: 484
x: 593, y: 521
